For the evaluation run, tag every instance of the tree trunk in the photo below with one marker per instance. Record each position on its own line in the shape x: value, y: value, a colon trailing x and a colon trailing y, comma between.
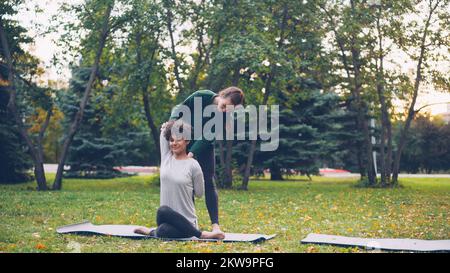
x: 345, y: 62
x: 361, y: 106
x: 221, y: 154
x: 248, y: 165
x: 150, y: 122
x: 36, y: 156
x: 39, y: 165
x: 199, y: 63
x: 169, y: 22
x: 144, y: 88
x: 385, y: 118
x: 221, y: 163
x: 203, y: 52
x: 228, y: 177
x: 275, y: 173
x: 388, y: 163
x: 359, y: 147
x: 267, y: 86
x: 197, y: 68
x: 411, y: 111
x: 368, y: 145
x: 57, y: 185
x: 39, y: 174
x: 382, y: 149
x: 361, y: 119
x: 359, y: 157
x: 228, y: 183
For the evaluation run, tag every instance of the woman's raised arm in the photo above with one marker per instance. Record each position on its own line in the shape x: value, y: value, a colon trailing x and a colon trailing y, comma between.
x: 164, y: 144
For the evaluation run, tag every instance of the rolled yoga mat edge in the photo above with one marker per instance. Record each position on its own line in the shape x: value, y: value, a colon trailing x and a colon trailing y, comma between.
x: 127, y: 231
x: 380, y: 244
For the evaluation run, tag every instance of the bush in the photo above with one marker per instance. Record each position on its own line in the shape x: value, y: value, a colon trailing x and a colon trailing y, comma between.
x: 96, y: 174
x: 155, y: 180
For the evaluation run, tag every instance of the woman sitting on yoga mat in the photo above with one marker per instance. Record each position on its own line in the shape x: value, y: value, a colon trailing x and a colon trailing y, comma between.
x: 181, y: 178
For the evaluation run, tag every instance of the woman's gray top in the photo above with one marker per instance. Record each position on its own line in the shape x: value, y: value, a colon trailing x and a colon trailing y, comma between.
x: 180, y: 181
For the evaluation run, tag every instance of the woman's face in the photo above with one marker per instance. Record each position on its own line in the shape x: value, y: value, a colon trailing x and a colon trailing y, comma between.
x: 222, y: 104
x: 178, y: 144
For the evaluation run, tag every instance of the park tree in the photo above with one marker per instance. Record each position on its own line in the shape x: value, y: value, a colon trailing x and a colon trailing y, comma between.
x: 236, y: 51
x: 387, y: 17
x: 130, y: 64
x: 204, y: 35
x: 19, y: 70
x: 94, y: 16
x: 348, y: 139
x: 15, y: 161
x: 51, y: 142
x: 307, y: 124
x: 278, y: 16
x: 411, y: 28
x: 297, y: 56
x: 427, y: 146
x: 225, y: 42
x: 171, y: 14
x: 145, y: 72
x: 234, y: 54
x: 94, y: 151
x: 369, y: 33
x: 262, y: 47
x: 424, y: 40
x: 348, y: 25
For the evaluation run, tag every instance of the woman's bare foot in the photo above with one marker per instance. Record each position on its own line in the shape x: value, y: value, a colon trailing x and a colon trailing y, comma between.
x: 143, y: 231
x: 216, y: 227
x: 213, y: 235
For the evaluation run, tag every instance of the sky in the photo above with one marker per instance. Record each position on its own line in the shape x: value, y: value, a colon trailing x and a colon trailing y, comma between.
x: 44, y: 48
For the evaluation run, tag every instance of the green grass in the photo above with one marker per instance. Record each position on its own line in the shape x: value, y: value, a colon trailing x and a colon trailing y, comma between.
x: 292, y: 209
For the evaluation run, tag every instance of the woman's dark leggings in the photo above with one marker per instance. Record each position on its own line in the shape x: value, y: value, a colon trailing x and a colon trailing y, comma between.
x: 171, y: 224
x: 207, y: 163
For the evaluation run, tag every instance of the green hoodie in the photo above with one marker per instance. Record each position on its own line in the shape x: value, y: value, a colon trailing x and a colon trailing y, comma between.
x: 198, y: 147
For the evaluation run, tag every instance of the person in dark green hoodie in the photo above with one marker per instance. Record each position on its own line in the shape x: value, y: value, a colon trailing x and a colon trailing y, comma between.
x: 203, y: 149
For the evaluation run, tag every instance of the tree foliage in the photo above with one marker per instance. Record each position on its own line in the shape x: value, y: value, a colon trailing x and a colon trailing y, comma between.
x: 332, y: 66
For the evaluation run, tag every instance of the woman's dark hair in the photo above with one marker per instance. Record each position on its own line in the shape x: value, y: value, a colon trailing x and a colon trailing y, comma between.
x: 181, y: 128
x: 235, y: 94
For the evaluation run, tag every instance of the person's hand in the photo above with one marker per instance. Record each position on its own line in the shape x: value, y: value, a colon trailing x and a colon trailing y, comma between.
x: 190, y: 154
x: 163, y: 126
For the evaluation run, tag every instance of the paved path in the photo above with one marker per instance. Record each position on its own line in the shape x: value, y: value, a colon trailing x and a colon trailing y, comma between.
x: 349, y: 175
x: 140, y: 170
x: 147, y: 170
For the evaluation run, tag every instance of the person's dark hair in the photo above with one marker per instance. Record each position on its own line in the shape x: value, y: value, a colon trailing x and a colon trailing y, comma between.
x: 180, y: 127
x: 235, y: 94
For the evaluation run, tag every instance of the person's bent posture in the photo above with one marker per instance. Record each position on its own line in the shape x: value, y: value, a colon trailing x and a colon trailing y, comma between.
x: 202, y: 149
x: 181, y: 179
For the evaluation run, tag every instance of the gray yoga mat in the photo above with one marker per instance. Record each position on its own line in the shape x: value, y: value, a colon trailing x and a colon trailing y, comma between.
x: 382, y: 244
x: 127, y: 231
